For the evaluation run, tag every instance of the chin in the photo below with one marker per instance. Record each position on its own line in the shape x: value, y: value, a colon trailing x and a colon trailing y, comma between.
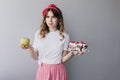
x: 50, y: 26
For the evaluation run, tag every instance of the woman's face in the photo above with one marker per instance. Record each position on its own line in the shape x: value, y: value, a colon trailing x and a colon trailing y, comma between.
x: 51, y: 20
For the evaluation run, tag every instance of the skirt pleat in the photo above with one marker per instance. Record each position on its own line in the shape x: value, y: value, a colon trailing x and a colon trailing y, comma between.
x: 51, y: 72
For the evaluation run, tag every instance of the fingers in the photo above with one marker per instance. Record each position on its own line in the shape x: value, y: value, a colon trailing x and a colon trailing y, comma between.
x: 78, y: 52
x: 23, y: 46
x: 75, y: 52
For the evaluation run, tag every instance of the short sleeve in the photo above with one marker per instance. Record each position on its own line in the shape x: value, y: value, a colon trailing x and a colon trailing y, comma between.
x: 67, y: 40
x: 35, y: 40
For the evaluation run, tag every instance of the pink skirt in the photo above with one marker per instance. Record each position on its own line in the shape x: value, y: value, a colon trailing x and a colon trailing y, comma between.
x: 51, y: 72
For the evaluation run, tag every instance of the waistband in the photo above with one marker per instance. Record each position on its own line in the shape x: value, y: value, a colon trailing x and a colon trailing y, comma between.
x: 44, y: 64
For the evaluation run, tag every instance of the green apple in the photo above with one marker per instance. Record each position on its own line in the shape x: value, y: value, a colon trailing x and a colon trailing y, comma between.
x: 25, y: 41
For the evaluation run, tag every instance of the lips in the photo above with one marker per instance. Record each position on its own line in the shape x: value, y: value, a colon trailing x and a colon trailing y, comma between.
x: 50, y: 23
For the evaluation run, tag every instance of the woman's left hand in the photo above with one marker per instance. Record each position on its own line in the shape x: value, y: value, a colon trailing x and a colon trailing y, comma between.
x: 78, y: 52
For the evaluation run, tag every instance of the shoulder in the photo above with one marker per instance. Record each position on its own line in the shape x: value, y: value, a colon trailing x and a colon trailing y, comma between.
x: 66, y: 35
x: 37, y: 33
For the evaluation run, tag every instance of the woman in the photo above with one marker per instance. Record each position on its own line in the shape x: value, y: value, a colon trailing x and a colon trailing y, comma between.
x: 50, y: 46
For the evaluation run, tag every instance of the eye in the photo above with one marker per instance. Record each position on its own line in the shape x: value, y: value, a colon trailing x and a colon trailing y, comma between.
x: 47, y: 16
x: 54, y: 17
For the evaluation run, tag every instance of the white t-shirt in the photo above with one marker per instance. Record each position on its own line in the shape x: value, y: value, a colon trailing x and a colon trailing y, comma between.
x: 50, y: 48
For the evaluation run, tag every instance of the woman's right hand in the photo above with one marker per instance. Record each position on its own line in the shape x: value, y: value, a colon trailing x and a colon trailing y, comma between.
x: 24, y: 47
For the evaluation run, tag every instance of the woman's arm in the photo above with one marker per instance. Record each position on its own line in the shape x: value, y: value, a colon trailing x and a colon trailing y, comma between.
x: 66, y: 56
x: 33, y: 52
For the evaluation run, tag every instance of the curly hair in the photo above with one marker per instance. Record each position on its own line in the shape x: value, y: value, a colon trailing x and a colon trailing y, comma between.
x: 44, y: 29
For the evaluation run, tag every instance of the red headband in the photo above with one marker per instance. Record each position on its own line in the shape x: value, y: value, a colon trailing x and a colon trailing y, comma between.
x: 51, y: 6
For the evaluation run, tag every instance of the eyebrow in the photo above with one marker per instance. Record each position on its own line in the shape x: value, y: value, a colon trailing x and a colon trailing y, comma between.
x: 51, y: 16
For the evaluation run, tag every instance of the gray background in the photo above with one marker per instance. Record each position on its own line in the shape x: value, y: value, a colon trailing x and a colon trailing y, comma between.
x: 95, y: 21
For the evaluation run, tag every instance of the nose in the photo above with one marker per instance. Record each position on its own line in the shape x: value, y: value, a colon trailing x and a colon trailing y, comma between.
x: 50, y: 19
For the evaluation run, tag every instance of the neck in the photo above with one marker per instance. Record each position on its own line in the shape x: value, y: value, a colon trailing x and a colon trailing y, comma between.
x: 52, y: 29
